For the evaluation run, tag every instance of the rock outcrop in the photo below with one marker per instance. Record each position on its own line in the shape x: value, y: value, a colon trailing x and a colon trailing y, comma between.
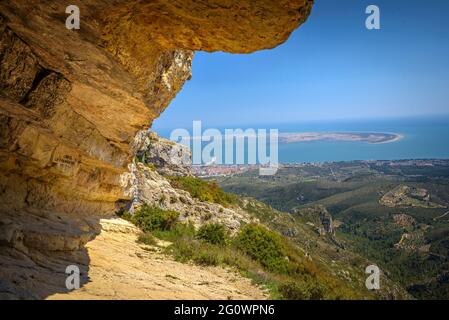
x: 147, y: 186
x: 165, y: 156
x: 147, y: 183
x: 408, y: 197
x: 413, y: 241
x: 72, y: 101
x: 404, y: 220
x: 74, y: 105
x: 319, y: 218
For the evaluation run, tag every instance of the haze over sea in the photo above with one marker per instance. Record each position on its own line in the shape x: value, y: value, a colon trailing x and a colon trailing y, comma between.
x: 423, y: 138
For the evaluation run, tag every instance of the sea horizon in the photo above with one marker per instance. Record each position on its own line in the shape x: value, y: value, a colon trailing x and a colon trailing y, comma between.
x: 422, y: 137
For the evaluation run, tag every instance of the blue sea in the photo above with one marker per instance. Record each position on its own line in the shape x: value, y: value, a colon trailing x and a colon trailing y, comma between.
x: 423, y: 138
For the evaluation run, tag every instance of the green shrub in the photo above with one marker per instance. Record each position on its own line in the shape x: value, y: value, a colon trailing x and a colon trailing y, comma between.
x: 173, y: 200
x: 193, y: 250
x: 162, y: 198
x: 147, y: 238
x: 181, y: 231
x: 264, y: 246
x: 182, y: 251
x: 124, y: 214
x: 204, y: 253
x: 304, y: 289
x: 207, y: 216
x: 203, y: 190
x: 213, y: 233
x: 150, y: 218
x: 207, y: 258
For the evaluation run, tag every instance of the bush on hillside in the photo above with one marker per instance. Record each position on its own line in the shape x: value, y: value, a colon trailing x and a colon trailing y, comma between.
x: 147, y: 238
x: 264, y: 246
x: 180, y: 231
x: 304, y: 289
x: 213, y: 233
x: 203, y: 190
x: 150, y: 218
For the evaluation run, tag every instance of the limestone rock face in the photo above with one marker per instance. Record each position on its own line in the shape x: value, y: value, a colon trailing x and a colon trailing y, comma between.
x: 167, y: 157
x: 326, y: 222
x: 147, y: 186
x: 72, y: 101
x: 319, y: 218
x: 146, y: 183
x: 74, y: 104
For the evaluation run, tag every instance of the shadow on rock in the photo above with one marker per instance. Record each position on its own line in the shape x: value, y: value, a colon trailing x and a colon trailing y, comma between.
x: 37, y: 247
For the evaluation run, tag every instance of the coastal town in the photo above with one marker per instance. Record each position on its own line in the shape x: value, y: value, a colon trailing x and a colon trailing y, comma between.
x: 231, y: 170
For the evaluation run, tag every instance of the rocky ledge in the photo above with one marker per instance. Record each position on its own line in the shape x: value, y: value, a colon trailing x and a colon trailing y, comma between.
x: 74, y: 105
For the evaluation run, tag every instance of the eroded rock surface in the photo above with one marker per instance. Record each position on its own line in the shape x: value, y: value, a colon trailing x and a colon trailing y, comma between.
x: 319, y: 218
x: 147, y: 182
x: 404, y: 220
x: 404, y: 196
x: 165, y: 156
x: 73, y: 103
x: 147, y: 186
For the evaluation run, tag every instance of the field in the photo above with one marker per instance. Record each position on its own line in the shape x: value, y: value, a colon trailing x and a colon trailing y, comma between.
x: 368, y: 202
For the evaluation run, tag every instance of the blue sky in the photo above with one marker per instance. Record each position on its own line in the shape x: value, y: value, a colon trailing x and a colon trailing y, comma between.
x: 331, y: 68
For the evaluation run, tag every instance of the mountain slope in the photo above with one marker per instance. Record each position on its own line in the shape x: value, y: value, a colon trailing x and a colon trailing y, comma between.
x: 316, y: 262
x: 390, y: 212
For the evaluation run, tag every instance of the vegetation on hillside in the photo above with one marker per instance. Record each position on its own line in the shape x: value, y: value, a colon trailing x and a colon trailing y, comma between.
x: 150, y: 218
x: 213, y: 233
x: 264, y: 246
x: 257, y: 252
x: 352, y: 193
x: 207, y: 191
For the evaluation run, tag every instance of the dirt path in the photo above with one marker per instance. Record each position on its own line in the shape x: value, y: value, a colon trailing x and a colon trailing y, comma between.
x: 120, y: 268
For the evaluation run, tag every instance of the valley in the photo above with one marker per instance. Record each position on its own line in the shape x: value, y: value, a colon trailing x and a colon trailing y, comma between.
x: 391, y: 212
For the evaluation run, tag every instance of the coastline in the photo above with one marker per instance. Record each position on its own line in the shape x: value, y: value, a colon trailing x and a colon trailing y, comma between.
x: 369, y: 137
x: 395, y: 139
